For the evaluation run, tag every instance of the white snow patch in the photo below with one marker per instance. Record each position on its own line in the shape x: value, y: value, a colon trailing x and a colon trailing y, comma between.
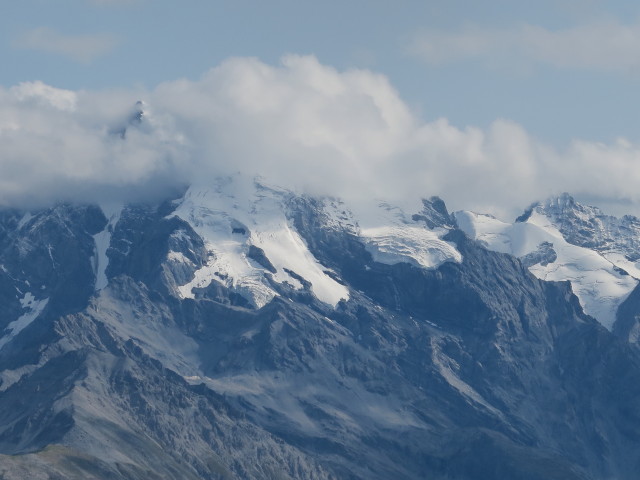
x: 338, y: 216
x: 28, y: 300
x: 285, y: 248
x: 412, y: 244
x: 24, y: 220
x: 391, y: 236
x: 178, y: 257
x: 103, y: 241
x: 234, y: 214
x: 620, y: 261
x: 34, y: 307
x: 599, y: 287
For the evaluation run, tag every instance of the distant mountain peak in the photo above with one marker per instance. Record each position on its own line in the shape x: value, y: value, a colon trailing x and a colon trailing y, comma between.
x: 135, y: 118
x: 562, y: 239
x: 435, y: 214
x: 564, y: 206
x: 588, y: 226
x: 563, y: 200
x: 138, y: 113
x: 558, y: 207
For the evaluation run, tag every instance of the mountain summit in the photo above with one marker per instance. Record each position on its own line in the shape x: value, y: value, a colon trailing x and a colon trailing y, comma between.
x: 589, y: 227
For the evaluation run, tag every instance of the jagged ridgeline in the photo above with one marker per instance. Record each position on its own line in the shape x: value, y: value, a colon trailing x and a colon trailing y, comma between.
x: 245, y: 332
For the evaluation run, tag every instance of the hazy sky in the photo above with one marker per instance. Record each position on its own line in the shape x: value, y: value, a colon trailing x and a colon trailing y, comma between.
x: 522, y: 90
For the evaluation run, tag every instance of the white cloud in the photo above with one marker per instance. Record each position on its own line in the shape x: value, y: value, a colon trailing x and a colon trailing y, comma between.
x: 81, y: 48
x: 301, y: 125
x: 607, y: 45
x: 45, y: 95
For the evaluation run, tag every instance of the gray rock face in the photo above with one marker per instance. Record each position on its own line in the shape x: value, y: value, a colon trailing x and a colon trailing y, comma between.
x: 470, y: 370
x: 435, y: 214
x: 627, y: 324
x: 48, y: 254
x: 544, y: 255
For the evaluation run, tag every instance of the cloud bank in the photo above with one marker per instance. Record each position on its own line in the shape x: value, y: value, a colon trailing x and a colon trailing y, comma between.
x: 301, y: 125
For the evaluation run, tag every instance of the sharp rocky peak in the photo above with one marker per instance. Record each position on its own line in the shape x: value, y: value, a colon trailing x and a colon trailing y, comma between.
x: 588, y: 226
x: 435, y: 214
x: 134, y: 119
x: 564, y: 207
x: 559, y: 208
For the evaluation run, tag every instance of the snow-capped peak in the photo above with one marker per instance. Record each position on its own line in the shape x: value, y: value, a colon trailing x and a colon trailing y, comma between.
x: 237, y: 217
x: 392, y: 235
x: 560, y: 239
x: 253, y: 245
x: 589, y: 227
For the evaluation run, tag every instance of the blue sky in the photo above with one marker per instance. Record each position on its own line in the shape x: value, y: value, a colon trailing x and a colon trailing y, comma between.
x: 150, y: 41
x: 490, y: 104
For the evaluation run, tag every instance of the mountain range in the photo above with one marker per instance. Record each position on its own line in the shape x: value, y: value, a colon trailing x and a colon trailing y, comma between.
x: 242, y: 331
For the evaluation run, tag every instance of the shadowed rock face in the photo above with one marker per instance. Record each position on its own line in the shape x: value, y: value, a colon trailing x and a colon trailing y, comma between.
x: 627, y: 324
x: 469, y: 370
